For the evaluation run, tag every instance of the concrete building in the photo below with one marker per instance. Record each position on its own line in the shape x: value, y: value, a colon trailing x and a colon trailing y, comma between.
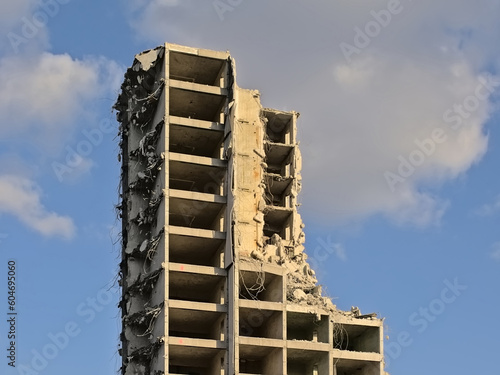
x: 214, y: 275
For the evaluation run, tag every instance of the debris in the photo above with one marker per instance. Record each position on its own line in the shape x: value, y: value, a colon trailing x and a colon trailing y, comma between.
x: 299, y: 295
x: 368, y: 316
x: 148, y: 59
x: 144, y: 319
x: 145, y: 354
x: 145, y: 285
x: 257, y: 255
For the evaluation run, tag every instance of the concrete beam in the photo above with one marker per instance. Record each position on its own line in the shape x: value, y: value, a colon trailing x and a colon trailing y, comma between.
x: 194, y: 232
x: 193, y: 123
x: 306, y: 309
x: 261, y: 305
x: 202, y: 197
x: 201, y: 343
x: 204, y: 270
x: 205, y: 89
x: 308, y: 345
x: 357, y: 356
x: 200, y: 306
x: 259, y: 341
x: 257, y: 266
x: 201, y: 160
x: 221, y: 55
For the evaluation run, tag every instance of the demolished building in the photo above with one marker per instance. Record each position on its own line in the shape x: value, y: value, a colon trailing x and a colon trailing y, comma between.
x: 214, y: 275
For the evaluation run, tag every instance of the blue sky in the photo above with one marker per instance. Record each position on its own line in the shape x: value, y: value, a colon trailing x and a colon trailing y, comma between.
x: 398, y: 131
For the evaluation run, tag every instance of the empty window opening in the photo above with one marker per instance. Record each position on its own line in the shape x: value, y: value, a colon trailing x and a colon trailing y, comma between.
x: 196, y: 287
x: 278, y: 221
x: 278, y: 126
x: 303, y: 326
x: 355, y: 367
x: 197, y: 69
x: 278, y: 190
x: 307, y: 362
x: 260, y: 360
x: 197, y: 105
x: 196, y: 250
x: 197, y: 177
x: 195, y: 141
x: 278, y: 158
x: 196, y: 214
x: 195, y: 324
x: 188, y: 360
x: 356, y: 338
x: 261, y: 286
x: 261, y: 323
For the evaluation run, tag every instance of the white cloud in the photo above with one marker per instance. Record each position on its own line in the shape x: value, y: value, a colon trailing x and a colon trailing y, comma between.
x: 489, y: 209
x: 21, y: 198
x: 359, y: 119
x: 375, y: 124
x: 495, y: 253
x: 43, y: 97
x: 19, y: 32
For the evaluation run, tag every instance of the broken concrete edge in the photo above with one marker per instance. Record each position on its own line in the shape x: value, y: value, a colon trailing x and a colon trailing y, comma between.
x: 143, y: 357
x: 147, y: 59
x: 304, y: 290
x: 135, y: 107
x: 144, y: 320
x: 302, y: 285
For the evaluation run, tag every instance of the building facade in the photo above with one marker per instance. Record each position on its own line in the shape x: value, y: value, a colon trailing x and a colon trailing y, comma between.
x: 214, y: 275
